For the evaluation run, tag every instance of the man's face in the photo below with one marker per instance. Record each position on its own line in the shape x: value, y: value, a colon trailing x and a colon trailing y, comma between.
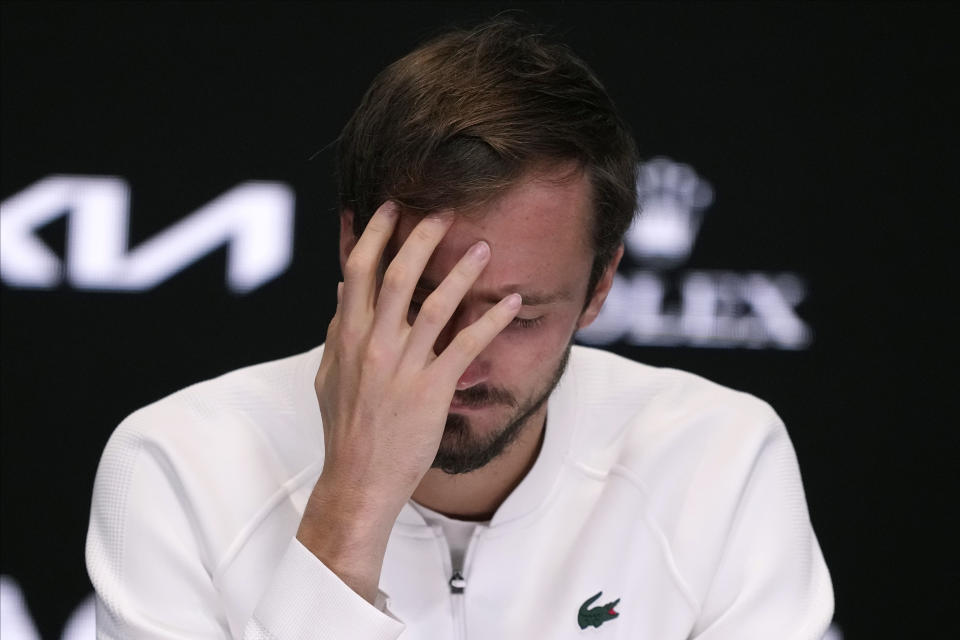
x: 540, y: 248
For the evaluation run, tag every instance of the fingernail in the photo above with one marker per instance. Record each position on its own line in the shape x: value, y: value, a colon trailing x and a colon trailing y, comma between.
x: 480, y: 250
x: 390, y: 208
x: 513, y: 301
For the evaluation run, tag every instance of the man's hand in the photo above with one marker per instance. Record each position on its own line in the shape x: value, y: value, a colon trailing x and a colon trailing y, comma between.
x: 383, y: 393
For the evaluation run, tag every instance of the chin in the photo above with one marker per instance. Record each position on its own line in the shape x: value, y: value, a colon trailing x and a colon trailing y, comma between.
x: 465, y: 446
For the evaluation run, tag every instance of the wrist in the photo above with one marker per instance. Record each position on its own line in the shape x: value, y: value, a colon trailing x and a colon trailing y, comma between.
x: 348, y: 534
x: 360, y: 495
x: 345, y: 516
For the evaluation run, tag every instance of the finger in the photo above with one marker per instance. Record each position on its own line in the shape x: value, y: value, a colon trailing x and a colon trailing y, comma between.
x: 360, y: 269
x: 468, y: 344
x: 404, y: 271
x: 438, y: 308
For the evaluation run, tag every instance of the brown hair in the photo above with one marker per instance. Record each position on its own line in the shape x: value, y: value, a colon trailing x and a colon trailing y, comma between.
x: 459, y: 119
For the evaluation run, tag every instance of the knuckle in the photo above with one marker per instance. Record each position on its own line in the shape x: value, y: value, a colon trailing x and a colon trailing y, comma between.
x: 467, y: 269
x: 377, y: 355
x: 377, y: 225
x: 348, y: 335
x: 422, y: 233
x: 433, y: 312
x: 355, y: 266
x: 468, y: 342
x: 395, y: 276
x: 320, y: 379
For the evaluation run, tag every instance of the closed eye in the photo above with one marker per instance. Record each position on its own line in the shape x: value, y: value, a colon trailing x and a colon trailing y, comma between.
x: 527, y: 323
x: 519, y: 323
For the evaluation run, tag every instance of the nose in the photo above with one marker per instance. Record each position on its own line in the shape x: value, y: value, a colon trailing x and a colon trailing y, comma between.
x: 474, y: 375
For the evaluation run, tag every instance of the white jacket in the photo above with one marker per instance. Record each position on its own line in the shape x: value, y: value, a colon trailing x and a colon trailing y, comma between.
x: 675, y: 498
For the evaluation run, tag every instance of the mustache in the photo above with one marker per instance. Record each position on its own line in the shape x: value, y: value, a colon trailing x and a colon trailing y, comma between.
x: 483, y: 395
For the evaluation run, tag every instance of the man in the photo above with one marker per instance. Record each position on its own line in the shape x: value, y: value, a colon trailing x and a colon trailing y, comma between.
x: 446, y: 465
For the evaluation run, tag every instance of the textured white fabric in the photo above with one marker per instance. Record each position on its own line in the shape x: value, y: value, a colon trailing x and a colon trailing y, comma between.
x: 457, y: 532
x: 304, y: 601
x: 678, y: 497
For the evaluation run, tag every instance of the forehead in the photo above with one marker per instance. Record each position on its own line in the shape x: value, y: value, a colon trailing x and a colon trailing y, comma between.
x: 538, y: 232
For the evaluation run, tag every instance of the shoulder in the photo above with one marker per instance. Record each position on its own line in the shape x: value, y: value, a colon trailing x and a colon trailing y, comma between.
x: 631, y: 389
x: 645, y: 419
x: 244, y: 403
x: 710, y: 469
x: 228, y: 443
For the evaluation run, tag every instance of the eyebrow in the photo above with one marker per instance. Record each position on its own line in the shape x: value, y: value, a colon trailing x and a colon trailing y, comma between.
x: 530, y: 298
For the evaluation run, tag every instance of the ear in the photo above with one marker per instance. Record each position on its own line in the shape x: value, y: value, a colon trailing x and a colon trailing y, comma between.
x: 347, y: 239
x: 600, y: 292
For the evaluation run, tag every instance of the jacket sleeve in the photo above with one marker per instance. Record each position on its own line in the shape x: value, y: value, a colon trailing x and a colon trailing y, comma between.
x: 771, y: 580
x: 307, y: 600
x: 155, y: 576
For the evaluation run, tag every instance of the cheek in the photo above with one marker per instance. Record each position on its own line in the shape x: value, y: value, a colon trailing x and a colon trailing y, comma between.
x: 527, y: 350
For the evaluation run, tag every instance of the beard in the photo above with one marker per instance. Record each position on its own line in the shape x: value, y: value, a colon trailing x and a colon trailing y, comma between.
x: 462, y: 451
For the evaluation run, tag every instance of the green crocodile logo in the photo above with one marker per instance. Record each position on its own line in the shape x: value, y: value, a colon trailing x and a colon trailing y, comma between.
x: 596, y: 616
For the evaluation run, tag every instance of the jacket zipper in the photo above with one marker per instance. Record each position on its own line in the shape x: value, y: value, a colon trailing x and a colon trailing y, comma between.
x: 457, y: 582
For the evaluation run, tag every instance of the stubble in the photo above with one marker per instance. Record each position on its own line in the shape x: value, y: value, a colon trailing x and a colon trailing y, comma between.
x: 462, y: 450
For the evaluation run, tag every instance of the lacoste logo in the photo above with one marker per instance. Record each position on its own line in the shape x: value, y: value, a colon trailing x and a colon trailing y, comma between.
x: 596, y: 616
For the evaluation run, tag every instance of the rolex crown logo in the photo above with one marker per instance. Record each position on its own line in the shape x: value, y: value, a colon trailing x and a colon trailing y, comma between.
x: 671, y: 197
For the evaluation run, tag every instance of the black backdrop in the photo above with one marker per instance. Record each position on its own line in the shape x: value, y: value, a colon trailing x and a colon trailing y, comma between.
x: 825, y: 130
